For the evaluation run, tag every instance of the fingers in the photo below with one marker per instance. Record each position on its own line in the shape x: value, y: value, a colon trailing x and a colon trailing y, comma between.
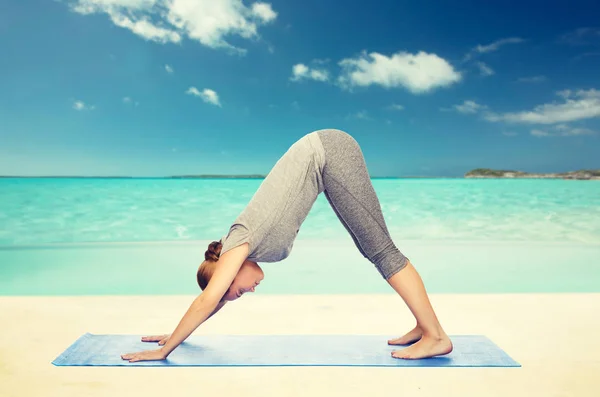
x: 153, y: 338
x: 161, y: 339
x: 131, y: 357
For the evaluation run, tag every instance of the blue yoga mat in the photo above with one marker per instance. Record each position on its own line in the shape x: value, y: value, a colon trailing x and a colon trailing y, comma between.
x: 279, y: 350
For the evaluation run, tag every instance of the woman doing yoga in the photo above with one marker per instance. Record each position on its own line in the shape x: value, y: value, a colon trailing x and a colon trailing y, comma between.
x: 326, y: 161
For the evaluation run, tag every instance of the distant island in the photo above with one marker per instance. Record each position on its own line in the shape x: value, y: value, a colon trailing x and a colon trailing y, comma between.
x: 510, y: 174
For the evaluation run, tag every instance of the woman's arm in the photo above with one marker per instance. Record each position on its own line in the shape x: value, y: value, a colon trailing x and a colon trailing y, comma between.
x: 162, y: 339
x: 205, y: 305
x: 219, y: 306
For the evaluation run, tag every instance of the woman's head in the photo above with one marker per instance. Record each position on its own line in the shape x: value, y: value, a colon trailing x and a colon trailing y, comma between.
x: 248, y: 277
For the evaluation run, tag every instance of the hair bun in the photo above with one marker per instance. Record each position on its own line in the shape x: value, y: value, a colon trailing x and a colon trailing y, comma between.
x: 213, y: 252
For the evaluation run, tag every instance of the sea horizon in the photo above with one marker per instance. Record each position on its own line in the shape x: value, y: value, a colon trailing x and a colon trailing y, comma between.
x: 476, y: 173
x: 202, y: 177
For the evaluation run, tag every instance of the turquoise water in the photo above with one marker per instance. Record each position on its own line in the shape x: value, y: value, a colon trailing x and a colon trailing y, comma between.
x: 147, y: 236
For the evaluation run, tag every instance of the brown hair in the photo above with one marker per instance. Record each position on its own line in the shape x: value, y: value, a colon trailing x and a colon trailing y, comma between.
x: 207, y: 268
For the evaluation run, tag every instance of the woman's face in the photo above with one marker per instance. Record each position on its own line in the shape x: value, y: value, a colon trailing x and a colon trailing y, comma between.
x: 248, y: 278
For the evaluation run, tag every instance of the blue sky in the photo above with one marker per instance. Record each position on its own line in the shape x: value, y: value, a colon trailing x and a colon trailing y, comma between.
x: 155, y: 87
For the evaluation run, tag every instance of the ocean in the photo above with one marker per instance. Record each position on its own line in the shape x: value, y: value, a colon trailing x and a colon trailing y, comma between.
x: 73, y: 236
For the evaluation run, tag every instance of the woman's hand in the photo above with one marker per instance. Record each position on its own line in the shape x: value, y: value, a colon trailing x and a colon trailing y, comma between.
x: 207, y: 302
x: 148, y: 355
x: 161, y: 339
x: 204, y: 306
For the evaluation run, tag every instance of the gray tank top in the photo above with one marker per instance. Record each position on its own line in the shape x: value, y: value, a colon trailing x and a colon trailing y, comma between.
x: 271, y: 220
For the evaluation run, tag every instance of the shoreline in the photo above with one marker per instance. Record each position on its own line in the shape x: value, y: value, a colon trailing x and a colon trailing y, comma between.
x: 312, y: 268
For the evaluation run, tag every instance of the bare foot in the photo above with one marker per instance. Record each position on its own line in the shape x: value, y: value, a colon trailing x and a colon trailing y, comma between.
x: 425, y: 348
x: 412, y: 336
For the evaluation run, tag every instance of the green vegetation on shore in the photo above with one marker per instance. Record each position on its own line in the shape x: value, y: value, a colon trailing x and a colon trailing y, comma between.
x: 490, y: 173
x: 475, y: 173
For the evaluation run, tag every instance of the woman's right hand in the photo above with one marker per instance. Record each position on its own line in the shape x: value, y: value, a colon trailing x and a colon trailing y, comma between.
x: 161, y: 339
x: 206, y: 303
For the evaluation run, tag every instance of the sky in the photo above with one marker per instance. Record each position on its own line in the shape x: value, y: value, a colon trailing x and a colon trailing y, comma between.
x: 178, y: 87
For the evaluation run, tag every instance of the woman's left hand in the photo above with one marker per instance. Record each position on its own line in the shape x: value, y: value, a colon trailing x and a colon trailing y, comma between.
x: 147, y: 355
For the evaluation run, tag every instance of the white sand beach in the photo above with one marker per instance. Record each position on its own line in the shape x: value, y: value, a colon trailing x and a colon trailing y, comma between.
x: 553, y: 336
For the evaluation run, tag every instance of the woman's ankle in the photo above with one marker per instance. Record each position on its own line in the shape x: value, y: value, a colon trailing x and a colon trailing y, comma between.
x: 434, y: 332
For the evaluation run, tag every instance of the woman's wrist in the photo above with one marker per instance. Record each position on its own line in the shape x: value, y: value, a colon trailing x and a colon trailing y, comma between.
x: 164, y: 352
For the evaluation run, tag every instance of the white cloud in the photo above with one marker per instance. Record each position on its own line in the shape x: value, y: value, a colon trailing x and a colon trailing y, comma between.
x: 467, y: 107
x: 92, y: 6
x: 562, y: 130
x: 80, y: 105
x: 581, y: 36
x: 419, y: 73
x: 497, y: 44
x: 591, y: 93
x: 127, y: 99
x: 193, y: 91
x: 482, y: 49
x: 564, y: 93
x: 533, y: 79
x: 361, y: 115
x: 301, y: 71
x: 207, y: 95
x: 395, y: 107
x: 484, y: 69
x: 144, y: 28
x: 583, y: 104
x: 163, y: 21
x: 539, y: 133
x: 169, y: 69
x: 578, y: 105
x: 264, y: 11
x: 580, y: 131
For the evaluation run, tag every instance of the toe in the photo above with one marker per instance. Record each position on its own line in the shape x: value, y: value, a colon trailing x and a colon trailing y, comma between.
x: 398, y: 341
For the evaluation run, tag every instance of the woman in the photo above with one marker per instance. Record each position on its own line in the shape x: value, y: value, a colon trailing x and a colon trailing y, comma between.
x: 329, y: 161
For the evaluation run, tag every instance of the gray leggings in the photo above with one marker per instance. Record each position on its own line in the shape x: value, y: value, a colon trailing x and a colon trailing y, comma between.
x: 350, y: 192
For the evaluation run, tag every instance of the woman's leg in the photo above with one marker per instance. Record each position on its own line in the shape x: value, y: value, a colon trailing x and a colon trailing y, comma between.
x: 350, y: 193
